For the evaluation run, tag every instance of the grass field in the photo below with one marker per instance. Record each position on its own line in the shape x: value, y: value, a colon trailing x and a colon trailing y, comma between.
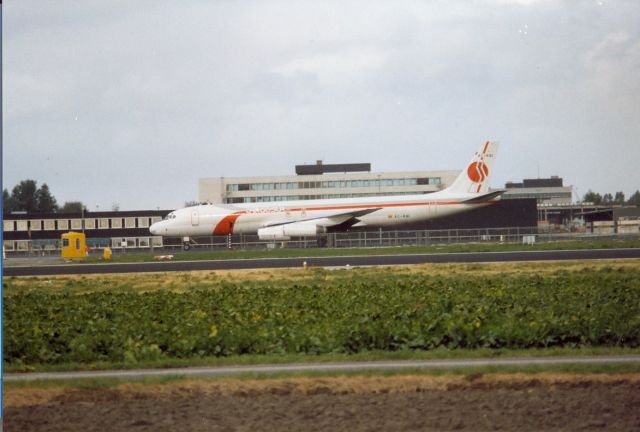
x: 107, y: 321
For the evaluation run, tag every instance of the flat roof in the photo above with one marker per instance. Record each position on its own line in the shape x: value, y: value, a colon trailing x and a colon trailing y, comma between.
x: 320, y: 168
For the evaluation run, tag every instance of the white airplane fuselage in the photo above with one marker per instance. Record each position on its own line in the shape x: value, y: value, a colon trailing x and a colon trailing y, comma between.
x: 285, y: 219
x: 210, y: 219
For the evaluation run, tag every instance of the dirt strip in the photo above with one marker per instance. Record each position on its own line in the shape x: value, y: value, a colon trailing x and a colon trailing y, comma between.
x: 472, y: 402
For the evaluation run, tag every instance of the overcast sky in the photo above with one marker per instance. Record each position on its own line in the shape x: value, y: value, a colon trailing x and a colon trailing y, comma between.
x: 130, y: 102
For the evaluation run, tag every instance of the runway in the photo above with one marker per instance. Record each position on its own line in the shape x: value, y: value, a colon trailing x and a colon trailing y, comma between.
x: 342, y: 261
x: 222, y: 371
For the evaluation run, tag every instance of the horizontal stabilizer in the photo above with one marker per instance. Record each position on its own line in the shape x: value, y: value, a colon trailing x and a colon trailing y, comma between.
x: 484, y: 197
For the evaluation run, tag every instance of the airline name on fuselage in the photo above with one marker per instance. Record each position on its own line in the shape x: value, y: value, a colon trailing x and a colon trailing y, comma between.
x: 264, y: 210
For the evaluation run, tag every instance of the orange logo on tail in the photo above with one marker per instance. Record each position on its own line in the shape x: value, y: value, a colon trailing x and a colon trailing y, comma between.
x: 477, y: 172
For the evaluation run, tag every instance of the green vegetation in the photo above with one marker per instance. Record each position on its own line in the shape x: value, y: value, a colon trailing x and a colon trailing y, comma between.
x: 26, y: 196
x: 319, y: 312
x: 319, y: 252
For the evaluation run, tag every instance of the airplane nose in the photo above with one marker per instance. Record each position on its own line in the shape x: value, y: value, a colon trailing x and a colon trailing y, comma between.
x: 154, y: 229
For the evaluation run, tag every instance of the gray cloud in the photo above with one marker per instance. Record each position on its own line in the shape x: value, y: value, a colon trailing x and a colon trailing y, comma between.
x: 132, y: 102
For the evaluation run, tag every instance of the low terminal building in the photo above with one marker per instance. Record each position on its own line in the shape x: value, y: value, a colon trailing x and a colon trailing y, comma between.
x: 24, y: 232
x: 544, y: 190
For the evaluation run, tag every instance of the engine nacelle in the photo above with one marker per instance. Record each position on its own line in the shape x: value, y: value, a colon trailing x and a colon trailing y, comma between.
x: 285, y: 232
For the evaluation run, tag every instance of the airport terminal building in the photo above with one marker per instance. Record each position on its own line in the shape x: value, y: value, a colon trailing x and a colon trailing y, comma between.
x: 322, y: 181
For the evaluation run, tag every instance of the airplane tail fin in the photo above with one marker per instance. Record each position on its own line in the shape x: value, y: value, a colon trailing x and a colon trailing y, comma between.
x: 475, y: 177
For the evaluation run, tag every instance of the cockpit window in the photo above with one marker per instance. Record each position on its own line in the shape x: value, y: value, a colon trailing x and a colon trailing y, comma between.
x: 170, y: 216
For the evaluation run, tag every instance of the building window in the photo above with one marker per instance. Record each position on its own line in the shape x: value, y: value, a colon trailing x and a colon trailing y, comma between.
x: 8, y: 225
x: 244, y: 187
x: 76, y: 224
x: 143, y: 222
x: 155, y: 219
x: 116, y: 223
x: 35, y: 225
x: 103, y: 223
x: 63, y: 224
x: 49, y: 225
x: 90, y: 224
x: 130, y: 222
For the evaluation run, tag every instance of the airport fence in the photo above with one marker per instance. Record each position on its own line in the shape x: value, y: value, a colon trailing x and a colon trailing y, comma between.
x: 397, y: 238
x: 354, y: 239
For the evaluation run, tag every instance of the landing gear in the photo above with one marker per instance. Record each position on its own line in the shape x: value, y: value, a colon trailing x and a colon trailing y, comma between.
x: 322, y: 241
x: 186, y: 243
x: 186, y: 246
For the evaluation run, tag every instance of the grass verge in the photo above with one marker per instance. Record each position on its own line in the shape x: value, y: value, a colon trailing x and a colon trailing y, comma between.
x: 472, y: 372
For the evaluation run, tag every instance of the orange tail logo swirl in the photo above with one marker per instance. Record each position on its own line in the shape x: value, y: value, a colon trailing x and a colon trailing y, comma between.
x: 477, y: 172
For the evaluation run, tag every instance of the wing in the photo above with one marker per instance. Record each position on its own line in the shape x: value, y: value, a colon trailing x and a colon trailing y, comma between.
x: 330, y: 220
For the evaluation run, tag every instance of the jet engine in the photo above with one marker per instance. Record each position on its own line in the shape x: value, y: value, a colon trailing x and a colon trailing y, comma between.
x: 286, y: 231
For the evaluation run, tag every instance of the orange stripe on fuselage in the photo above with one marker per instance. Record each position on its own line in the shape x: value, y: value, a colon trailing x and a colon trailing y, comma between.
x: 360, y: 206
x: 225, y: 226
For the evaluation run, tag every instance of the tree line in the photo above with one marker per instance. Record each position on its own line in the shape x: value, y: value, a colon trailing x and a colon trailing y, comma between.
x: 28, y: 197
x: 609, y: 199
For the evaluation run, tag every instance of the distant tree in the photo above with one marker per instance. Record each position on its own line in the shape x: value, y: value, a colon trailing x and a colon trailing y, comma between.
x: 634, y: 199
x: 45, y: 202
x: 115, y: 207
x: 592, y: 197
x: 607, y: 198
x: 7, y: 202
x: 23, y: 196
x: 618, y: 198
x: 73, y: 207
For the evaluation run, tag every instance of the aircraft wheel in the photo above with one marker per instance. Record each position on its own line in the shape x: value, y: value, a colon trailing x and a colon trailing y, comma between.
x: 186, y: 246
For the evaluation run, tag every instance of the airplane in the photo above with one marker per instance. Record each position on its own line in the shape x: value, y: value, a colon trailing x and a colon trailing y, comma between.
x: 282, y: 220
